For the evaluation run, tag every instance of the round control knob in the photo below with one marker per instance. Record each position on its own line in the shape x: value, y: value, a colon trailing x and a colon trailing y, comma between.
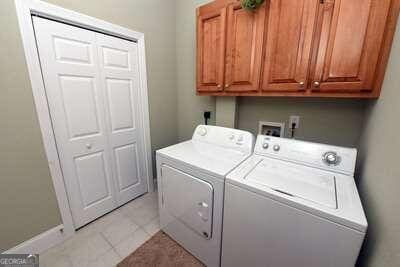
x: 202, y: 131
x: 232, y: 136
x: 277, y: 148
x: 88, y: 146
x: 331, y: 158
x: 265, y: 145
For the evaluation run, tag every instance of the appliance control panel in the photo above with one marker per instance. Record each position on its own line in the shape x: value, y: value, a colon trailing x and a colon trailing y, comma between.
x: 226, y: 137
x: 333, y: 158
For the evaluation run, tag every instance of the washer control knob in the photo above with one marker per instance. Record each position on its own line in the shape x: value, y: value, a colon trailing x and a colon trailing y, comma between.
x: 240, y: 139
x: 265, y: 145
x: 202, y: 131
x: 331, y: 158
x: 277, y: 148
x: 232, y: 136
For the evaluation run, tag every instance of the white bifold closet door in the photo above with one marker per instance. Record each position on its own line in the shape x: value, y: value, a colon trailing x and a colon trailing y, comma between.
x: 92, y: 83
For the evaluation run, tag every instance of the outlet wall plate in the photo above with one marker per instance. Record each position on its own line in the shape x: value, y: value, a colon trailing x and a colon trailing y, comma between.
x: 294, y: 119
x: 276, y: 129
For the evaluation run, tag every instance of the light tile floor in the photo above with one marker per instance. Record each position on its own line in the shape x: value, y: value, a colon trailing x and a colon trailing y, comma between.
x: 109, y: 239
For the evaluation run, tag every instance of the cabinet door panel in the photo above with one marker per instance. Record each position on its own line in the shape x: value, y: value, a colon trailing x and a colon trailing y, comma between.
x: 244, y: 48
x: 349, y: 44
x: 288, y: 44
x: 211, y: 49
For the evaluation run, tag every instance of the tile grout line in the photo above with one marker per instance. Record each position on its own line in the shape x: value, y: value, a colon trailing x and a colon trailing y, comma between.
x: 132, y: 234
x: 105, y: 238
x: 112, y: 247
x: 144, y: 230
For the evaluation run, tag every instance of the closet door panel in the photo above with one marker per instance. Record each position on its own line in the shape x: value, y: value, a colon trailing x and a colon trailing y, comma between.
x: 70, y: 67
x: 120, y: 77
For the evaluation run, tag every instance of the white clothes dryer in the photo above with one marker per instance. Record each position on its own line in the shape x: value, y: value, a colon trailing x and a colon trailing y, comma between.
x: 191, y: 178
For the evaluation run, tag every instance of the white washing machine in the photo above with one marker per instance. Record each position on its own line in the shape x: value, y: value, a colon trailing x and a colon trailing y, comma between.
x: 191, y: 179
x: 293, y: 203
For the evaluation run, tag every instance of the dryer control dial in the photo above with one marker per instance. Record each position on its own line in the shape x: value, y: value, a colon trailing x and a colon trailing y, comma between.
x: 277, y: 148
x: 265, y: 145
x: 202, y: 131
x: 331, y: 158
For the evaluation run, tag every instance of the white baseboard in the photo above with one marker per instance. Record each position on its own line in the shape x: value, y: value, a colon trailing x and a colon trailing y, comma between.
x: 41, y: 242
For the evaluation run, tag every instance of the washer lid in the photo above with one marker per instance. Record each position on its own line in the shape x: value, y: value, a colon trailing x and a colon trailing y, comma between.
x: 296, y: 180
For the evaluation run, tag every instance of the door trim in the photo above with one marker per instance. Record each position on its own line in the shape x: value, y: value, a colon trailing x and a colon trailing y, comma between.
x: 25, y: 10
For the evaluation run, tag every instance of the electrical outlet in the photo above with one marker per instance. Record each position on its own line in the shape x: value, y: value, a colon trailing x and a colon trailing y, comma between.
x: 294, y: 119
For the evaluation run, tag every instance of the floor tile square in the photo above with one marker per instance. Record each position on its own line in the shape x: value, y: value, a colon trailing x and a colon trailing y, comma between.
x: 86, y: 248
x: 133, y: 242
x: 152, y: 227
x: 109, y: 259
x: 143, y: 215
x: 101, y: 223
x: 54, y: 259
x: 119, y: 230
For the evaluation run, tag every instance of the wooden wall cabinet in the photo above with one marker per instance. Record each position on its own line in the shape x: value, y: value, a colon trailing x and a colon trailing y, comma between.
x: 211, y: 35
x: 289, y: 36
x: 350, y: 38
x: 229, y: 47
x: 306, y: 48
x: 243, y: 49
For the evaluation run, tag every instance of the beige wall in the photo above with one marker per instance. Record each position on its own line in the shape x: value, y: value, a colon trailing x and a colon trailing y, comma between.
x: 379, y: 171
x: 331, y: 121
x: 27, y: 199
x: 190, y: 106
x: 226, y: 111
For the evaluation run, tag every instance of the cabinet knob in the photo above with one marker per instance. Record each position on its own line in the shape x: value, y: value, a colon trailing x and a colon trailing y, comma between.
x: 227, y: 85
x: 301, y: 84
x: 218, y: 86
x: 316, y: 84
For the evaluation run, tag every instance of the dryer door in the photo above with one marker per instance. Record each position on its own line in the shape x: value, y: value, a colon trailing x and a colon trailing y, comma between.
x: 188, y: 199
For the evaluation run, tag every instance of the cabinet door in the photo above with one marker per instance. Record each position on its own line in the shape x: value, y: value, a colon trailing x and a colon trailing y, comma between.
x: 289, y: 35
x: 349, y: 44
x: 211, y: 48
x: 244, y: 48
